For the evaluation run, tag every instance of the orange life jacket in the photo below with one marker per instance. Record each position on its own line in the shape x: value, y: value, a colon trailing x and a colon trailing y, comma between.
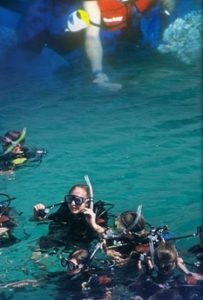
x: 116, y: 15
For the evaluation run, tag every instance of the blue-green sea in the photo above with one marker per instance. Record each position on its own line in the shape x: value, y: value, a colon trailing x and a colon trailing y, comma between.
x: 141, y: 145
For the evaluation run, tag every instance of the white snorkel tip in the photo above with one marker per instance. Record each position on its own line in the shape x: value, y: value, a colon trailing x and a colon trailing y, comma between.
x: 91, y: 190
x: 138, y: 215
x: 139, y: 210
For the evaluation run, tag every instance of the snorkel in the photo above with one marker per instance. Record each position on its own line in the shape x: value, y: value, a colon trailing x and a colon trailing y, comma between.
x: 91, y: 191
x: 14, y: 143
x: 138, y: 213
x: 126, y: 229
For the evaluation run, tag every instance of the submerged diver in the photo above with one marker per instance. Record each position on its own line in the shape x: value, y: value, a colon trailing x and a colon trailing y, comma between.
x: 77, y: 220
x: 15, y: 154
x: 111, y: 15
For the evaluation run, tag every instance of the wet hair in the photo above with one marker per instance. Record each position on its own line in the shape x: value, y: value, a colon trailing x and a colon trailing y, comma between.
x: 81, y: 255
x: 128, y: 217
x: 165, y: 253
x: 12, y: 135
x: 82, y: 186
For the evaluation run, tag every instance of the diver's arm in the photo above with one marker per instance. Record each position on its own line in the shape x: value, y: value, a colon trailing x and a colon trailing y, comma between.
x: 182, y: 266
x: 40, y: 214
x: 93, y: 46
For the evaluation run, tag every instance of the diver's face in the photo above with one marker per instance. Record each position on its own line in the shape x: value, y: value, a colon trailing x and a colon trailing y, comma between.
x: 72, y: 266
x: 77, y: 200
x: 166, y: 268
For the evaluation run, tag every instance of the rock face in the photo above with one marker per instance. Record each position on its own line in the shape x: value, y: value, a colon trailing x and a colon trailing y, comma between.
x: 183, y: 38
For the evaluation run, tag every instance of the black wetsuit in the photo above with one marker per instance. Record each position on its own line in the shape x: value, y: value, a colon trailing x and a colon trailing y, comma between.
x: 67, y: 229
x: 7, y: 161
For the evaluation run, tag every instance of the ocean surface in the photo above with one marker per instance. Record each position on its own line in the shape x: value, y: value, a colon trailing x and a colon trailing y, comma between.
x: 141, y: 145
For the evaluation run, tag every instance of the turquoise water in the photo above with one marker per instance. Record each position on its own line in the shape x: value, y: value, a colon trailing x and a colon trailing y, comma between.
x: 139, y: 146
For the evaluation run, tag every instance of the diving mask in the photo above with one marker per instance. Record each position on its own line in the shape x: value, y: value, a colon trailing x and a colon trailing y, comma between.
x: 70, y: 265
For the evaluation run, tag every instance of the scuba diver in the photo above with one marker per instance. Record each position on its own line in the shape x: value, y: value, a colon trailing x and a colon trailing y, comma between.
x: 166, y: 279
x: 78, y: 219
x: 82, y: 276
x: 131, y: 240
x: 7, y: 221
x: 129, y: 232
x: 15, y: 154
x: 79, y: 277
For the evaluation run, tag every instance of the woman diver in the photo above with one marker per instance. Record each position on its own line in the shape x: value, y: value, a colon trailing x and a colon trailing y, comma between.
x: 15, y: 154
x: 76, y: 221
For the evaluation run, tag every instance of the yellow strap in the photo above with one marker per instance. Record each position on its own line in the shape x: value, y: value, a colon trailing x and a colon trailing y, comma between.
x: 19, y: 161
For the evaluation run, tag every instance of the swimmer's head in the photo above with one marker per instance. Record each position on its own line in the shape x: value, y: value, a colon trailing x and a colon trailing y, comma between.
x: 130, y: 221
x: 12, y: 137
x: 76, y: 262
x: 165, y: 258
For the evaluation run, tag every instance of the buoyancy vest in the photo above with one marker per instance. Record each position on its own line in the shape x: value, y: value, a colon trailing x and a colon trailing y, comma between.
x: 116, y: 15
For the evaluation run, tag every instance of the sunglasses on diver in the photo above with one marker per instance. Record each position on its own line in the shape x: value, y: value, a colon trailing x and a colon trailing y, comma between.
x: 76, y: 199
x: 69, y: 265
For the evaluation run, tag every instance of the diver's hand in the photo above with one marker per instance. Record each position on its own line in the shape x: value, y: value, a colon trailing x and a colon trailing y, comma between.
x: 116, y: 257
x: 91, y: 219
x: 3, y: 230
x: 39, y: 212
x: 102, y: 80
x: 197, y: 276
x: 90, y: 215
